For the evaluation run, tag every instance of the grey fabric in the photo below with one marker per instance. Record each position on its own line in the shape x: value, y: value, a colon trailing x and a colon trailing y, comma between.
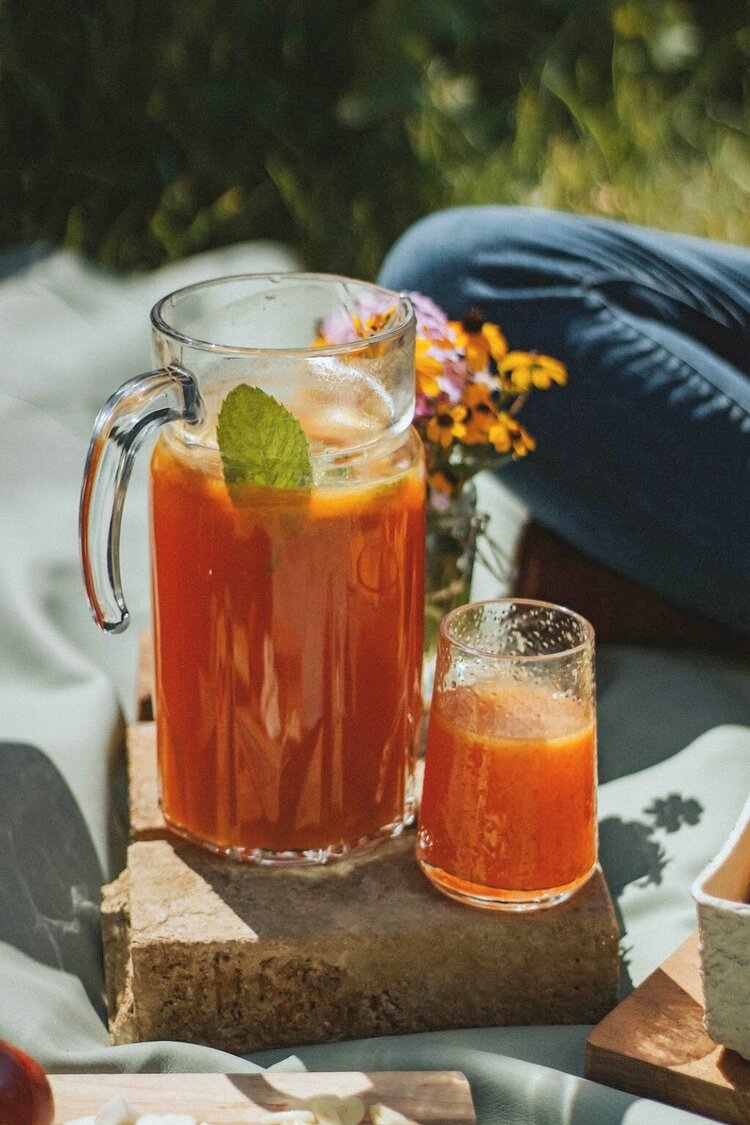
x: 674, y: 733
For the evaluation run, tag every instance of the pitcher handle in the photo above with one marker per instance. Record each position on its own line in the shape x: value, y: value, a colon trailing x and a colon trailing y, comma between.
x: 134, y: 411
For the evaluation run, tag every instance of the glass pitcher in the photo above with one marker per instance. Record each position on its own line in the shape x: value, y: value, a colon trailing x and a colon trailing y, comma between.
x: 287, y: 621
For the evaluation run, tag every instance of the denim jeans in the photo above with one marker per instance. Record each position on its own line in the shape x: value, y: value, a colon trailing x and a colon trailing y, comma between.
x: 643, y: 460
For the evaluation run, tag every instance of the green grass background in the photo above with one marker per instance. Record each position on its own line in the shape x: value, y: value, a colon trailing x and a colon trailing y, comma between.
x: 139, y: 131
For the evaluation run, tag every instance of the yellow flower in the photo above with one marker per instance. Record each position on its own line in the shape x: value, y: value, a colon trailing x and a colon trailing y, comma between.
x: 509, y: 436
x: 447, y: 424
x: 375, y: 323
x: 350, y: 327
x: 428, y: 369
x: 478, y: 395
x: 524, y: 370
x: 481, y: 415
x: 479, y: 340
x: 371, y: 327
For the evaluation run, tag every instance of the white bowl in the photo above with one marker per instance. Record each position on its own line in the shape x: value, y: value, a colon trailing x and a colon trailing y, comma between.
x: 721, y: 893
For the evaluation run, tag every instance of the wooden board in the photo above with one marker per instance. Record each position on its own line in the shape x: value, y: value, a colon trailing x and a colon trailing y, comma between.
x: 654, y: 1044
x: 432, y: 1097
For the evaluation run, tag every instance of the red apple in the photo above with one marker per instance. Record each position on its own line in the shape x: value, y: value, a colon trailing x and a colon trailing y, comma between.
x: 25, y: 1094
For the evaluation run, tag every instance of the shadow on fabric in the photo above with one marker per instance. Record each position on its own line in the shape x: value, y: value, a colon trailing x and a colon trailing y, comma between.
x: 630, y: 854
x: 50, y: 875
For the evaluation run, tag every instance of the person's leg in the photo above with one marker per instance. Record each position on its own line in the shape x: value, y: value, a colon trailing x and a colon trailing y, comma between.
x: 643, y: 460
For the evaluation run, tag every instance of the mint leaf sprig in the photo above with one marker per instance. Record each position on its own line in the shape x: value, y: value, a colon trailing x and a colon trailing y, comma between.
x: 261, y: 442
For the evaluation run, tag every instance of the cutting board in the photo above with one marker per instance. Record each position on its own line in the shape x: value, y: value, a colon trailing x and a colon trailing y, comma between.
x: 440, y: 1097
x: 654, y: 1044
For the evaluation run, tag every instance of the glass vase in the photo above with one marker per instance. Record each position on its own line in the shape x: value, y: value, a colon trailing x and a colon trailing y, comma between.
x: 452, y: 534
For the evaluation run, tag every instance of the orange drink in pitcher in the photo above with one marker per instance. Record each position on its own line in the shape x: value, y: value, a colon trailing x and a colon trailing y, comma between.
x: 287, y: 558
x: 288, y: 695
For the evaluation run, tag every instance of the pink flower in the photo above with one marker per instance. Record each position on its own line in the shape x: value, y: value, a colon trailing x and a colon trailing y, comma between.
x: 455, y: 374
x: 339, y: 327
x: 432, y: 323
x: 424, y: 408
x: 439, y: 501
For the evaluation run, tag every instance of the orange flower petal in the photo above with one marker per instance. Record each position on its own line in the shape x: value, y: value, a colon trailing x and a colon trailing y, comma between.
x: 500, y: 438
x: 558, y: 372
x: 476, y: 393
x: 427, y: 384
x: 477, y: 352
x: 440, y: 482
x: 527, y: 369
x: 514, y: 359
x: 496, y: 342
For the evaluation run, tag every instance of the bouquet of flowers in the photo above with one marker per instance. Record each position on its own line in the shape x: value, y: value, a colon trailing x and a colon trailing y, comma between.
x: 470, y: 389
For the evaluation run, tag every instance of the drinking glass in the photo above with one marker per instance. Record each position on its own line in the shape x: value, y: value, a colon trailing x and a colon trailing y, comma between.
x: 508, y: 813
x: 287, y: 621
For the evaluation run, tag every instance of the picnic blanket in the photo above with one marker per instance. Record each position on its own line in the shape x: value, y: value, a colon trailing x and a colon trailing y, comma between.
x: 674, y: 730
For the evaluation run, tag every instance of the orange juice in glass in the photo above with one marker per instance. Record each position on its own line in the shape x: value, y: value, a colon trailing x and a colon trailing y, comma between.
x: 508, y: 813
x: 287, y: 620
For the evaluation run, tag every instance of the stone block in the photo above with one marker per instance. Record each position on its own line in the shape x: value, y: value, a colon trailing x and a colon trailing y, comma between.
x: 146, y: 821
x: 247, y: 958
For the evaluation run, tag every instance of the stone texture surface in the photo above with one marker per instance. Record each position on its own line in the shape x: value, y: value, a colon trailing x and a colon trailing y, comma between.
x: 249, y: 958
x: 722, y: 895
x: 115, y: 919
x: 725, y: 960
x: 146, y: 821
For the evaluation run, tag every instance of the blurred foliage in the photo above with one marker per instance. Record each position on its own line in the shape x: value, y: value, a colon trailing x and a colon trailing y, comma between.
x: 138, y: 131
